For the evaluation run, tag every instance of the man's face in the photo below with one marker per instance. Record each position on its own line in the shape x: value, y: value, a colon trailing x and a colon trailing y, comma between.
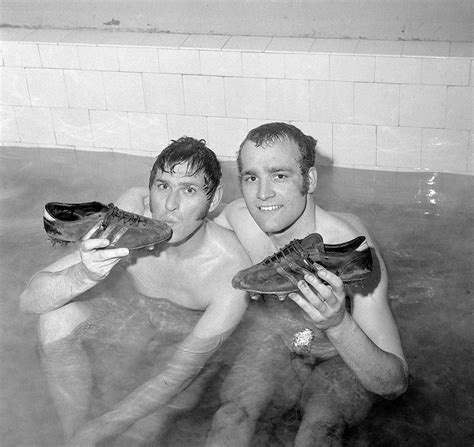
x: 179, y: 200
x: 272, y: 184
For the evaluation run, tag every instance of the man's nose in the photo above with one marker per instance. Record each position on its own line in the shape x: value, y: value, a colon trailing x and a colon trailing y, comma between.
x: 265, y: 190
x: 172, y: 201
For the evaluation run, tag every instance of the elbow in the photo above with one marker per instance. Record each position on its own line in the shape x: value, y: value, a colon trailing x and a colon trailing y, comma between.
x: 24, y: 302
x: 397, y: 386
x: 27, y: 303
x: 396, y: 389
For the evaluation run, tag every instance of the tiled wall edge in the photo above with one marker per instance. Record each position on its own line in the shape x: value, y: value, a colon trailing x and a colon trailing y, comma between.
x: 240, y: 43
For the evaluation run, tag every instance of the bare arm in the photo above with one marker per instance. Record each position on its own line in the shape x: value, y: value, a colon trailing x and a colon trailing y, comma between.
x: 70, y: 276
x: 214, y: 327
x: 368, y: 340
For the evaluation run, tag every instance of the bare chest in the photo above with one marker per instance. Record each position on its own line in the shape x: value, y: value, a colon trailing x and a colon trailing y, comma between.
x: 182, y: 283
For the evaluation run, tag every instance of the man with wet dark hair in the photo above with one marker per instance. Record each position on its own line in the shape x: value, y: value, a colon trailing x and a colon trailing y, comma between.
x: 311, y: 351
x: 177, y: 298
x: 198, y: 158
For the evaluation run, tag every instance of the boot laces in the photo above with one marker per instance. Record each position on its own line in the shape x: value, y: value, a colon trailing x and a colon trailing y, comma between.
x: 286, y: 253
x: 124, y: 216
x: 286, y: 258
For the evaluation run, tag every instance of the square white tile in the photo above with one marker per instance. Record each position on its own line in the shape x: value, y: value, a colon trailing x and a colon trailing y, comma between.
x: 110, y: 129
x: 422, y: 106
x: 354, y: 145
x: 352, y: 68
x: 376, y: 103
x: 307, y: 66
x: 72, y: 127
x: 398, y: 147
x: 58, y: 56
x: 35, y: 125
x: 85, y: 89
x: 124, y: 91
x: 288, y: 99
x: 204, y: 95
x: 14, y: 88
x: 246, y: 97
x: 47, y: 87
x: 445, y: 150
x: 164, y: 93
x: 331, y: 101
x: 148, y: 131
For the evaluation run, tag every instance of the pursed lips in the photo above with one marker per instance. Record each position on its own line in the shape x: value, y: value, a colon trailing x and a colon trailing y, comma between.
x: 169, y: 221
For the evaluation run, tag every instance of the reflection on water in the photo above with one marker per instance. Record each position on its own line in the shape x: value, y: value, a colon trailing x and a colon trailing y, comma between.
x: 423, y: 223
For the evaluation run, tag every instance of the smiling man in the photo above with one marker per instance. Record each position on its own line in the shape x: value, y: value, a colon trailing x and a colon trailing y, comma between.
x: 180, y: 293
x: 353, y: 353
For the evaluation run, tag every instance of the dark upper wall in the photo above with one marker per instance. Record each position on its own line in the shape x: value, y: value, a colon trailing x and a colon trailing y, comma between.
x: 379, y: 19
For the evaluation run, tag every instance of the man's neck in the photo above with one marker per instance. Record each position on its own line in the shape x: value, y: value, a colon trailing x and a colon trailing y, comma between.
x: 306, y: 224
x: 189, y: 247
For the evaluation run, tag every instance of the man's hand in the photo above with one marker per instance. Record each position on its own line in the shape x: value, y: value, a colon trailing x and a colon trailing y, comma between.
x: 324, y: 303
x: 97, y: 262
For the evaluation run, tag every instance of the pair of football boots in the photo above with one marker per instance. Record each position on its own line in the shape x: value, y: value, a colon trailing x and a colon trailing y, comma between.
x: 276, y: 274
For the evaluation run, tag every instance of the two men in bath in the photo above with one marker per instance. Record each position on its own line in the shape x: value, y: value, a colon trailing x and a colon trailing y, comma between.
x: 356, y: 354
x: 181, y: 292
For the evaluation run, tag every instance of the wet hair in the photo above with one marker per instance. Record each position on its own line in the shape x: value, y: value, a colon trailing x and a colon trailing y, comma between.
x: 267, y: 134
x: 198, y: 158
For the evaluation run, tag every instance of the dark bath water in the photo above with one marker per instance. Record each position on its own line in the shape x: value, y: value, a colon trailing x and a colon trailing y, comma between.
x: 423, y: 223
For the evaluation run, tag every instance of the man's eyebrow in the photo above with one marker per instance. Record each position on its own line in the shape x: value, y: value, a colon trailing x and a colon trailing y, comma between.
x: 271, y: 170
x: 280, y: 168
x: 249, y: 172
x: 192, y: 183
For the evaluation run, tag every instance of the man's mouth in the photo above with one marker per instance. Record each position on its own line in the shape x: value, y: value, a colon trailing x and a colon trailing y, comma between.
x: 270, y: 207
x: 168, y: 220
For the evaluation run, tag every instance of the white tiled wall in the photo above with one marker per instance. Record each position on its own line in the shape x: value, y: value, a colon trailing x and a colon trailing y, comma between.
x: 373, y: 104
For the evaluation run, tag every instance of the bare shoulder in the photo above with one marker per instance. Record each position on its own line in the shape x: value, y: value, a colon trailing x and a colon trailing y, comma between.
x: 226, y: 245
x: 340, y: 227
x: 236, y: 210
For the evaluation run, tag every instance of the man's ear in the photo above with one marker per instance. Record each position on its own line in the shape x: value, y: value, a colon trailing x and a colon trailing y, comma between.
x: 312, y: 179
x: 216, y: 199
x: 147, y: 199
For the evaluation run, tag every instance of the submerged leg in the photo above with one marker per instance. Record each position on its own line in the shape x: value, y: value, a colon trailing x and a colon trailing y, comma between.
x: 260, y: 382
x: 66, y: 364
x: 332, y: 400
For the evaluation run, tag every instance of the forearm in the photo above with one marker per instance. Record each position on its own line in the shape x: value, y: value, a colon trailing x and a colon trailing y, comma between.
x: 50, y: 290
x: 378, y: 371
x: 150, y: 397
x: 185, y: 365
